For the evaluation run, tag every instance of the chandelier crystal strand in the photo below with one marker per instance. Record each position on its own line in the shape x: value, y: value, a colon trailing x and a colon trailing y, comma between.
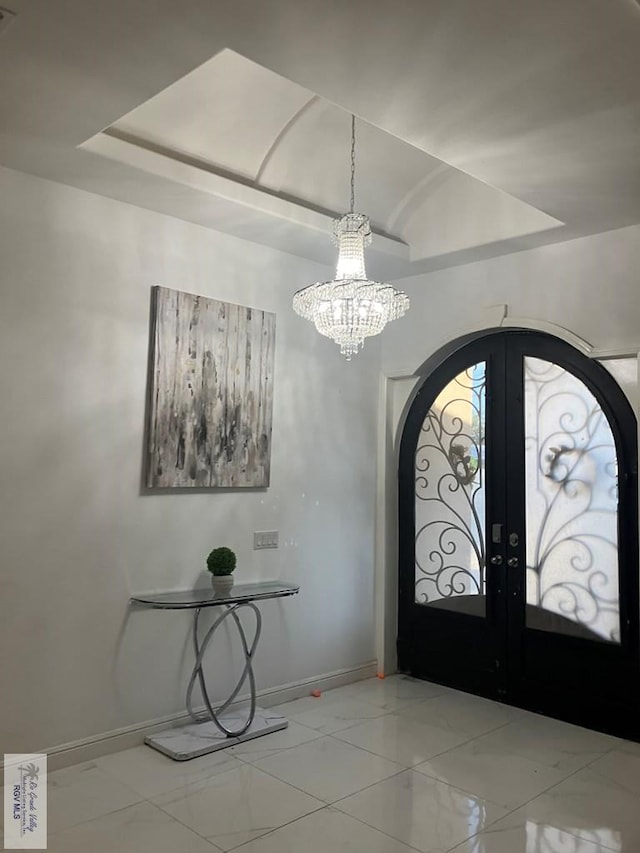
x: 351, y: 307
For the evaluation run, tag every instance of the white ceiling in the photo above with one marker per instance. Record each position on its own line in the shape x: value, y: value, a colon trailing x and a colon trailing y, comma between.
x: 483, y: 127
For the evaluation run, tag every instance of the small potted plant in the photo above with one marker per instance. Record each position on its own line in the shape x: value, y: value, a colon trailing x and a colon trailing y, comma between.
x: 221, y: 562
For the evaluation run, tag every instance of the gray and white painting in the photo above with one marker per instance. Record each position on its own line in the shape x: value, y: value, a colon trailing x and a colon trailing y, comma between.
x: 211, y: 393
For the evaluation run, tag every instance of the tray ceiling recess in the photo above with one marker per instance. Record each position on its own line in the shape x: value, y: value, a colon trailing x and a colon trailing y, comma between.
x: 243, y: 150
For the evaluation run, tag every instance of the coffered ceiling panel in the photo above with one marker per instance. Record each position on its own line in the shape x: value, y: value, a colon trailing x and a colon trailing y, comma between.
x: 254, y: 139
x: 227, y: 114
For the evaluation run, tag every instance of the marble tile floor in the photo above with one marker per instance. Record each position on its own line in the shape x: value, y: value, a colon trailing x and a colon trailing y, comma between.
x: 381, y: 766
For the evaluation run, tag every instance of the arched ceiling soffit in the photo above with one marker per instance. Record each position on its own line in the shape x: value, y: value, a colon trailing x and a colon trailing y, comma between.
x: 250, y: 127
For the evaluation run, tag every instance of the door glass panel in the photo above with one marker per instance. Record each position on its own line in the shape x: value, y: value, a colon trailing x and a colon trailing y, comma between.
x: 571, y: 507
x: 450, y: 498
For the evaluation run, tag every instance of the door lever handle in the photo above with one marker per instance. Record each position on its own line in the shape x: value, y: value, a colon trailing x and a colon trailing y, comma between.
x: 496, y: 561
x: 512, y: 562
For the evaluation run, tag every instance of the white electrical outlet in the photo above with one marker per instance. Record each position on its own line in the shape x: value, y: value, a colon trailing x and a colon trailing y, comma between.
x: 265, y: 539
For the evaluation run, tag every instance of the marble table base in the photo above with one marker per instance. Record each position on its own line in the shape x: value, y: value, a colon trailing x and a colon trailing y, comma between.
x: 196, y: 739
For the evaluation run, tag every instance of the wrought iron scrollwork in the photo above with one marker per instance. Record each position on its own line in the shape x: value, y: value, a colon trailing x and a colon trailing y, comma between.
x: 571, y: 471
x: 450, y: 554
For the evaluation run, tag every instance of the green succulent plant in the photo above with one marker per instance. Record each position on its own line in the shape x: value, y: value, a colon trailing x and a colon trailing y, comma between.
x: 221, y: 561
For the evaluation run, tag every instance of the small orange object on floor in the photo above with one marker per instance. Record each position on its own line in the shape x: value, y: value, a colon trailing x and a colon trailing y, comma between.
x: 316, y: 693
x: 381, y: 675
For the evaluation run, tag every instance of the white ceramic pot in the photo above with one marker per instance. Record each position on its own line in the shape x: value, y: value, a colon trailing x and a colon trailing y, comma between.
x: 222, y: 584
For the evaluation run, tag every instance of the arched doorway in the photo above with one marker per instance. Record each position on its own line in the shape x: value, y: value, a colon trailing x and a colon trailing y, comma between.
x: 518, y: 531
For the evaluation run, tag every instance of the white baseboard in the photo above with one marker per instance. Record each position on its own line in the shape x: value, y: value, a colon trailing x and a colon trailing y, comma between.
x: 129, y: 736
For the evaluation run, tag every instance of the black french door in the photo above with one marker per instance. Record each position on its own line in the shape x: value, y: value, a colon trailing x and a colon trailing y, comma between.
x: 518, y: 532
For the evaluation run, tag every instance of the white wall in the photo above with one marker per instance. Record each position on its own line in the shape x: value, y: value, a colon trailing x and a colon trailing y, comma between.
x: 591, y: 286
x: 76, y: 534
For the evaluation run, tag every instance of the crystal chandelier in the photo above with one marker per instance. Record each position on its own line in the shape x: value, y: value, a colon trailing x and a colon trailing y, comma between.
x: 350, y: 308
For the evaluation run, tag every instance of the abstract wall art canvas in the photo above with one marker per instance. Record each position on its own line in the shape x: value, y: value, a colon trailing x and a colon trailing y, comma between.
x: 211, y: 393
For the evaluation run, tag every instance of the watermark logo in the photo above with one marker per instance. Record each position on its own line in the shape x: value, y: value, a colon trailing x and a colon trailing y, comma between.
x: 25, y: 802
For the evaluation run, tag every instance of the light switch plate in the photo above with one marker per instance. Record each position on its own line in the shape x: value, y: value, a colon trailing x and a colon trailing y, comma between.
x: 265, y: 539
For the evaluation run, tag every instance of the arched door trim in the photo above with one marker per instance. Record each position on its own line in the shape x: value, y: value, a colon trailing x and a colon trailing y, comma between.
x: 493, y: 319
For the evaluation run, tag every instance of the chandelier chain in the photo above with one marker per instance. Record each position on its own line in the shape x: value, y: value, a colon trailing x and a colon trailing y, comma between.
x: 353, y: 163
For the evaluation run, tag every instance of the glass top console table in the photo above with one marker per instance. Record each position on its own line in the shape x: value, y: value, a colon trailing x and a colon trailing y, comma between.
x: 216, y: 728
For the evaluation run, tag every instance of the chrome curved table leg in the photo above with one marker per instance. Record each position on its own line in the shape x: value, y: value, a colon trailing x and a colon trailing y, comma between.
x: 213, y: 714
